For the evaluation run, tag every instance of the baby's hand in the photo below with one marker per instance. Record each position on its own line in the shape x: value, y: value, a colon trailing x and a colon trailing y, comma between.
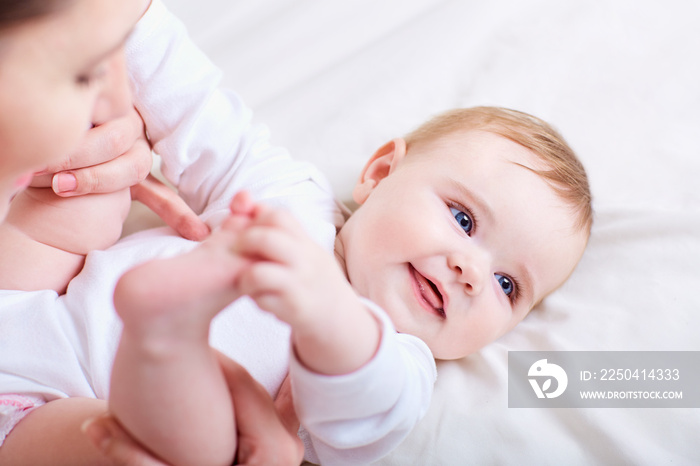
x: 290, y: 275
x: 294, y: 278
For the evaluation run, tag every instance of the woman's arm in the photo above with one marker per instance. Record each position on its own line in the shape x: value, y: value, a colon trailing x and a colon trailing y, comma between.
x: 209, y: 146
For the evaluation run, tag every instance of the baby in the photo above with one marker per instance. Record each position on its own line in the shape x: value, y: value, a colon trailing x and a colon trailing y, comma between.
x: 463, y: 227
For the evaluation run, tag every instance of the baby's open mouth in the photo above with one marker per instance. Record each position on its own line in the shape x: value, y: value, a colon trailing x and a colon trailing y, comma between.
x: 429, y: 292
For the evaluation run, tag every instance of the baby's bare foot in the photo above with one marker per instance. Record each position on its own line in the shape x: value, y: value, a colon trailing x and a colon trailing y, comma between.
x: 177, y: 297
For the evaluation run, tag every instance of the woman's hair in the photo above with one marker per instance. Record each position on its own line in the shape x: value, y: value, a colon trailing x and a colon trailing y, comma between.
x: 15, y: 12
x: 565, y: 172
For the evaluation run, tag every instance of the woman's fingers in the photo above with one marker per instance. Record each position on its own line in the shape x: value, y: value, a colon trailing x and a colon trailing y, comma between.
x: 113, y: 156
x: 263, y: 437
x: 171, y: 208
x: 130, y: 168
x: 103, y: 143
x: 284, y: 404
x: 115, y: 444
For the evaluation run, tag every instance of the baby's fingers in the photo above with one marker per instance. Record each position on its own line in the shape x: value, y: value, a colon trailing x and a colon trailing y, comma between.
x: 263, y: 278
x: 266, y: 216
x: 274, y: 289
x: 268, y: 244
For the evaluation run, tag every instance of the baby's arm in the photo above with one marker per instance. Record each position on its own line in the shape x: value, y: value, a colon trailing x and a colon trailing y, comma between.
x: 359, y: 386
x: 301, y: 283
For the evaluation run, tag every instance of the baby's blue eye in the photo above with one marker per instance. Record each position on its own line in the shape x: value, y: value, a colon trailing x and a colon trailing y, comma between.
x: 463, y: 220
x: 506, y: 284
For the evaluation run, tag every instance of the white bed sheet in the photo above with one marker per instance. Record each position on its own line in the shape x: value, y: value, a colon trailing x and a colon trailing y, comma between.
x: 621, y: 81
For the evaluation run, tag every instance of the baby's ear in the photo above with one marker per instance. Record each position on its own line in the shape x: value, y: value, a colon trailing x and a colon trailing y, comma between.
x: 378, y: 167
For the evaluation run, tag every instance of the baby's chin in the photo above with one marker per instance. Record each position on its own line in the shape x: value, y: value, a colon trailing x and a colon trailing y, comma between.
x: 451, y: 355
x: 445, y: 352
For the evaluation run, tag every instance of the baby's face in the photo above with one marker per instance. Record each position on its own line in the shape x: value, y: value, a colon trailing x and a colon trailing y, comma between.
x: 459, y: 241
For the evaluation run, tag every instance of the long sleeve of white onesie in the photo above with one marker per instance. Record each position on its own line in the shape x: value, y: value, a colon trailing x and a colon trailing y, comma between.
x: 360, y: 417
x: 209, y: 146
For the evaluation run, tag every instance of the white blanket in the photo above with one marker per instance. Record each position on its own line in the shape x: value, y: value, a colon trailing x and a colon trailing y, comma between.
x: 620, y: 79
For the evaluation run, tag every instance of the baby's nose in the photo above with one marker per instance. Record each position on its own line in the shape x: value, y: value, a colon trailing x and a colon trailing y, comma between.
x: 470, y: 269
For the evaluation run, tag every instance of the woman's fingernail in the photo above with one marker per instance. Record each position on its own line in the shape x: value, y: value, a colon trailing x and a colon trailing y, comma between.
x: 97, y: 432
x: 64, y: 183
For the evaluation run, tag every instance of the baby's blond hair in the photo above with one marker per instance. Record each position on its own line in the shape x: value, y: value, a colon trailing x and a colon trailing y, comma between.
x: 566, y: 173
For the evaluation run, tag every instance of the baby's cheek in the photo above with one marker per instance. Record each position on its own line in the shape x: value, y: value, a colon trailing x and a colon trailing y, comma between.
x: 410, y: 234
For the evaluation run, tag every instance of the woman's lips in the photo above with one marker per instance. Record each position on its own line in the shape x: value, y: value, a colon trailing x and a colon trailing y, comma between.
x: 427, y: 293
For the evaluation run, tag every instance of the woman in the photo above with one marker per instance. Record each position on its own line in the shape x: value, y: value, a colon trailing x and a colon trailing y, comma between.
x: 62, y: 72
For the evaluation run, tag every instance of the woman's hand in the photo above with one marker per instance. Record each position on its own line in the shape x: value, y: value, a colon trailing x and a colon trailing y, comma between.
x: 115, y: 444
x: 113, y: 156
x: 267, y: 430
x: 170, y: 207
